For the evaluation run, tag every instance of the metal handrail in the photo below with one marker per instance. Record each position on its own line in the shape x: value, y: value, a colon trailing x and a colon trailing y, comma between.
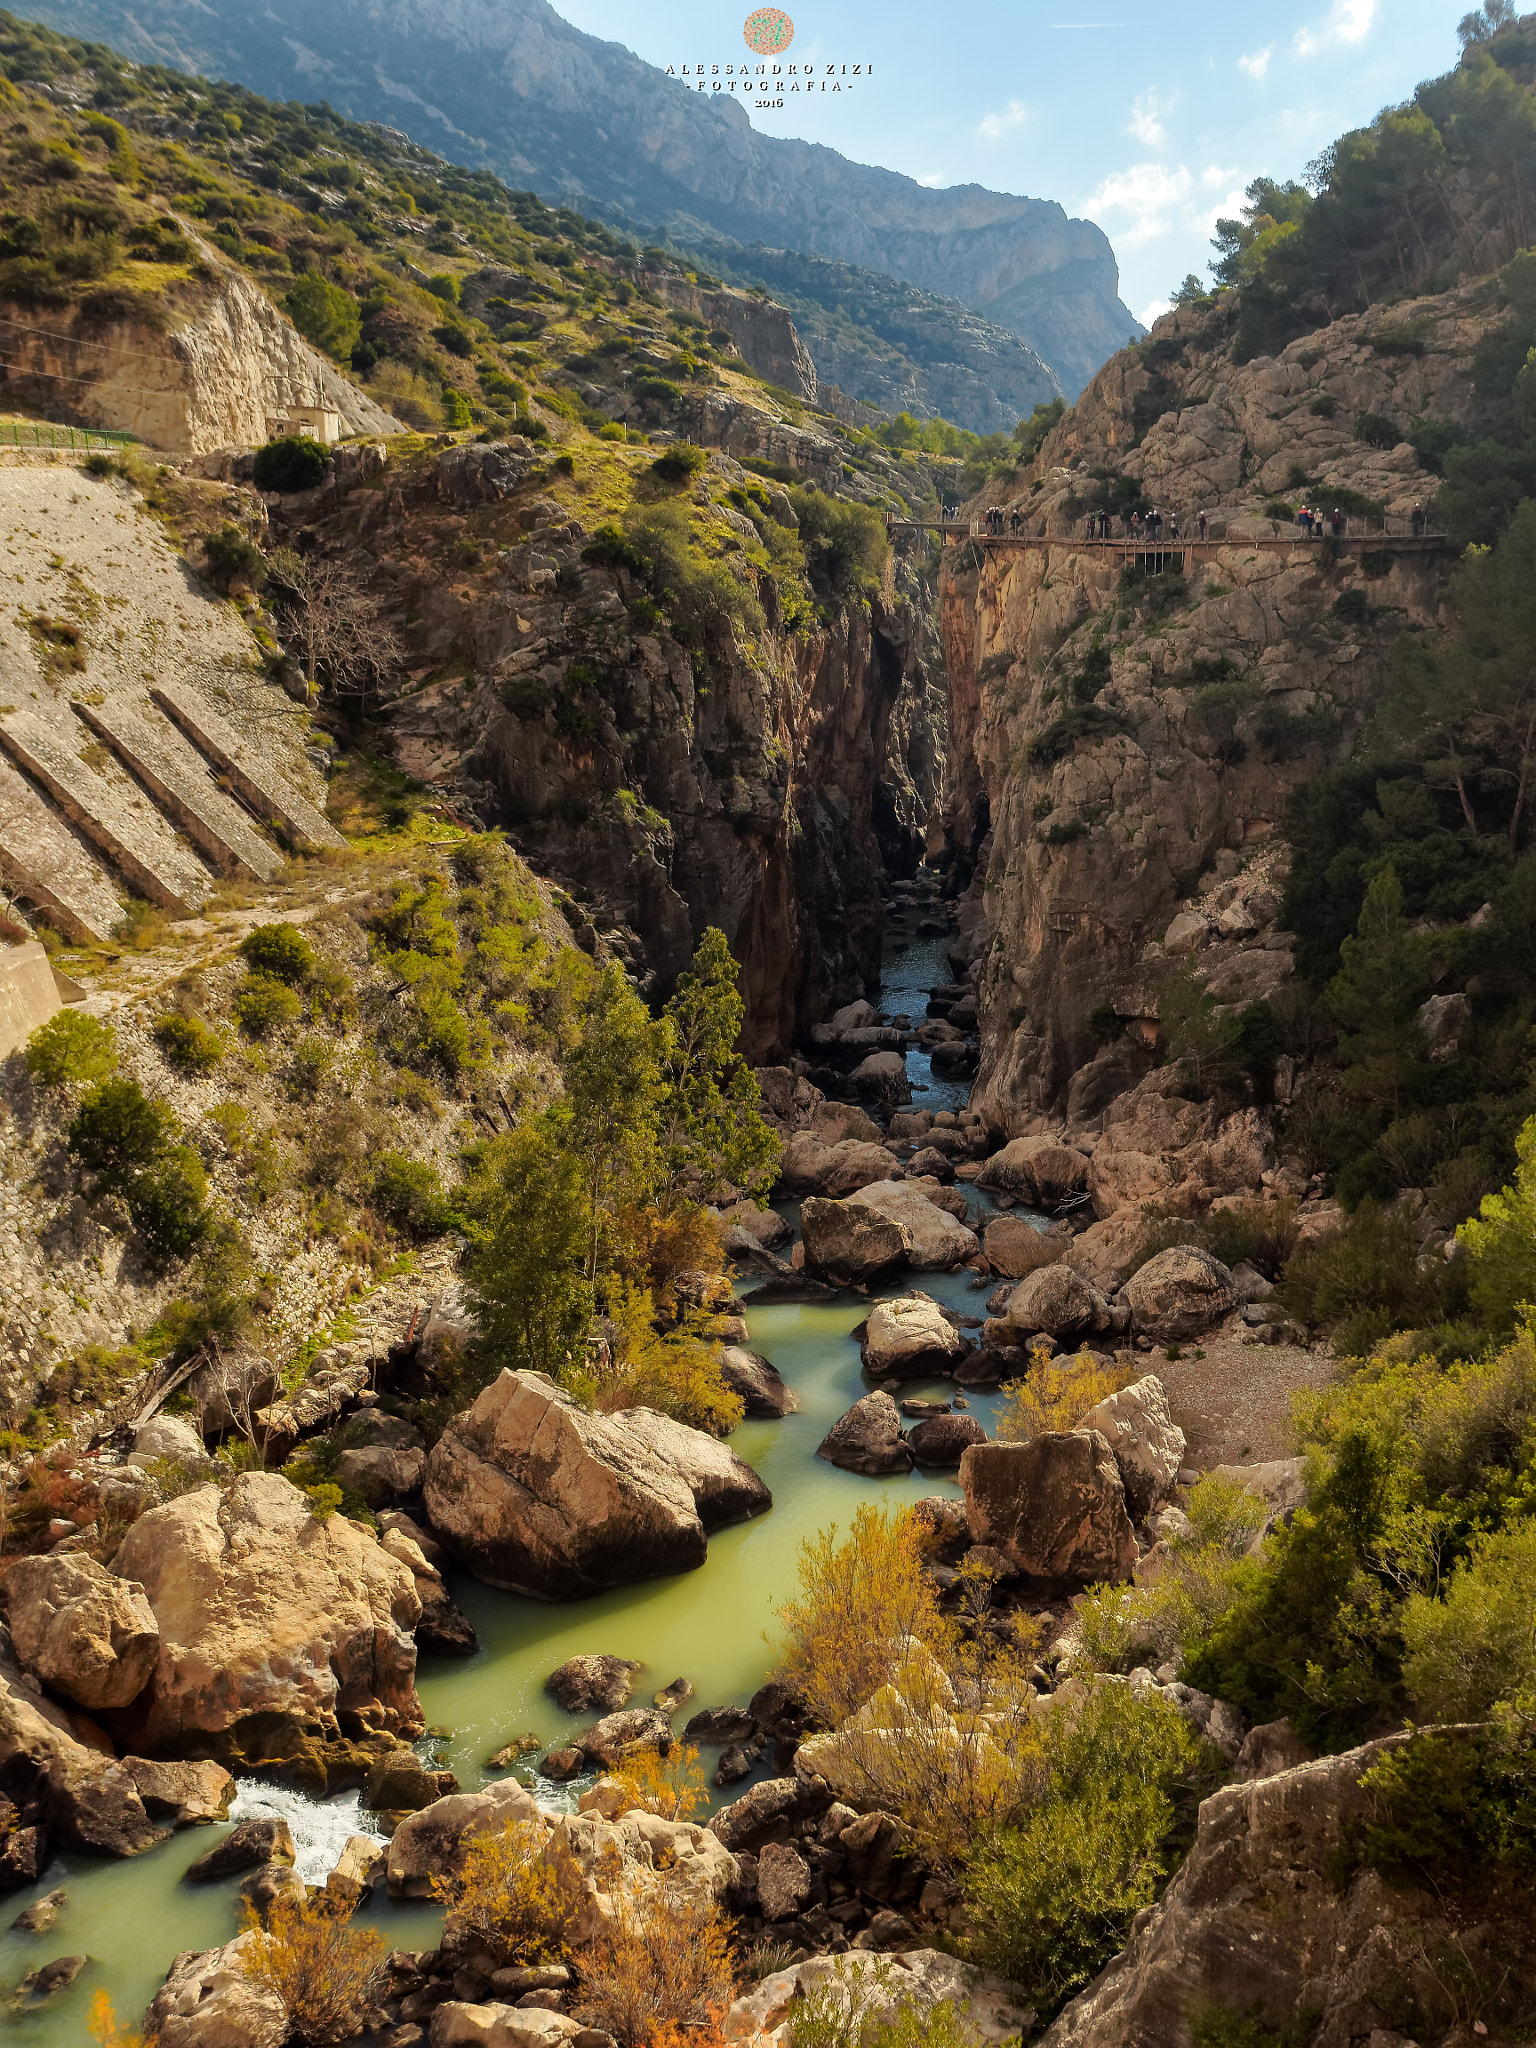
x: 31, y: 433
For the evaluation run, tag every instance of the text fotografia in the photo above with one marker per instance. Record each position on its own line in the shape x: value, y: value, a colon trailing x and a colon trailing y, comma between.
x: 763, y: 80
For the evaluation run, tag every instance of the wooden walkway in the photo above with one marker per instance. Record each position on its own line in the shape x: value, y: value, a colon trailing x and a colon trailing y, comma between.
x: 1156, y: 556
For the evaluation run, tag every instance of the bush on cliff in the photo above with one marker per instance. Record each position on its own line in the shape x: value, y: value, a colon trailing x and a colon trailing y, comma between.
x: 294, y: 462
x: 71, y: 1049
x: 326, y: 1972
x: 510, y: 1897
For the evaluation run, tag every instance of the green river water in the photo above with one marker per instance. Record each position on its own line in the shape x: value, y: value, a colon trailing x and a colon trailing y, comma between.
x: 712, y: 1626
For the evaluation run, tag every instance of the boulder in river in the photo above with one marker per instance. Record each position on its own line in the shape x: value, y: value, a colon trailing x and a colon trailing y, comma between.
x: 1179, y: 1293
x: 909, y: 1337
x: 931, y: 1239
x: 849, y: 1243
x: 868, y: 1438
x: 582, y: 1683
x: 208, y: 2001
x: 85, y: 1633
x: 539, y: 1497
x: 720, y: 1725
x: 766, y: 1227
x: 942, y: 1440
x: 749, y: 1374
x: 1039, y: 1170
x: 266, y: 1610
x: 1015, y: 1247
x: 617, y: 1736
x: 245, y: 1847
x: 1054, y: 1506
x: 985, y: 2011
x: 812, y: 1168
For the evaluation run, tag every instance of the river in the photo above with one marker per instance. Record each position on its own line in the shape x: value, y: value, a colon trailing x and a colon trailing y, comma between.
x: 713, y: 1627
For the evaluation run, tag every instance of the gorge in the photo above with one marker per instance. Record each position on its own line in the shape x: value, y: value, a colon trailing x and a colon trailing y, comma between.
x: 766, y: 1260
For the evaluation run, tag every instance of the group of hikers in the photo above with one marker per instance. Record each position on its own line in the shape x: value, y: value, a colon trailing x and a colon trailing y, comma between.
x: 1149, y: 528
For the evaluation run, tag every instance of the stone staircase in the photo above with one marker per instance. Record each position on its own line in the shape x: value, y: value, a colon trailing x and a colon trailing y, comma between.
x: 202, y: 801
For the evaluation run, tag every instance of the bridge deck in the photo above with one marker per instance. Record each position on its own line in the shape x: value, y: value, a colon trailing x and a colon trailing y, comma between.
x: 1359, y: 542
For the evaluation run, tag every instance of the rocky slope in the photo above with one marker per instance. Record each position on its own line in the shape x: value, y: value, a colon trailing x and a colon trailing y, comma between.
x: 213, y: 377
x: 666, y: 158
x: 1121, y: 740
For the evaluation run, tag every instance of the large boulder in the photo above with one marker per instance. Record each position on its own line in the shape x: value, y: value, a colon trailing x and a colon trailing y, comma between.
x: 582, y: 1683
x: 266, y: 1609
x: 86, y: 1634
x: 1148, y: 1444
x: 1015, y: 1247
x: 432, y: 1842
x: 1120, y: 1180
x: 168, y: 1439
x: 942, y: 1440
x: 868, y: 1438
x: 1057, y: 1301
x: 1038, y: 1170
x: 763, y: 1392
x: 466, y: 2023
x: 1275, y: 1914
x: 767, y: 1229
x: 56, y: 1791
x: 1180, y: 1293
x: 909, y: 1337
x: 884, y: 1076
x: 931, y: 1239
x: 1055, y: 1506
x: 208, y: 2001
x: 987, y: 2010
x: 1107, y: 1253
x: 848, y: 1243
x: 539, y: 1497
x: 810, y: 1167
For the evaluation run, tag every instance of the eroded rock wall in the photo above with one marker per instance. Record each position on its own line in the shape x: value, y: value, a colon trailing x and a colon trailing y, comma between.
x: 1088, y: 800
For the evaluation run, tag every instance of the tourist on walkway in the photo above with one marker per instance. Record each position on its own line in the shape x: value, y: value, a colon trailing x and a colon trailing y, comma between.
x: 1336, y: 521
x: 1173, y: 525
x: 1202, y: 526
x: 1418, y: 522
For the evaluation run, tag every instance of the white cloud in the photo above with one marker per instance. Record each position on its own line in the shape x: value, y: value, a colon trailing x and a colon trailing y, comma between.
x: 1153, y: 311
x: 1145, y: 123
x: 996, y: 126
x: 1349, y: 21
x: 1146, y: 197
x: 933, y: 179
x: 1257, y: 63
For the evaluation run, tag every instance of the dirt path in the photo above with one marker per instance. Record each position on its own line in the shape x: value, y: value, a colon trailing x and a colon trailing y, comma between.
x: 1233, y: 1400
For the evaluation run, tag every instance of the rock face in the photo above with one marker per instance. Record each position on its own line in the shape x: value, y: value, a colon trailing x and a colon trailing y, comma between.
x: 232, y: 363
x: 989, y: 2010
x: 1180, y: 1293
x: 1271, y: 1914
x: 88, y: 1635
x: 1062, y: 926
x: 538, y: 1497
x: 848, y: 1243
x: 264, y: 1610
x: 868, y: 1438
x: 910, y: 1337
x: 1055, y: 1506
x: 931, y: 1239
x: 1148, y: 1444
x: 58, y: 1793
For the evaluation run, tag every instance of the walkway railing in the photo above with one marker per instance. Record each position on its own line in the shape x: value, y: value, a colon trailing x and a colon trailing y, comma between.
x: 1363, y: 532
x: 45, y: 434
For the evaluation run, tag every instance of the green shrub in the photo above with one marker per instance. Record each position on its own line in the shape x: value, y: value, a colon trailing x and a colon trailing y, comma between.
x: 233, y: 557
x: 1049, y: 1902
x: 117, y: 1129
x: 187, y: 1043
x: 264, y: 1005
x: 846, y: 545
x: 1472, y: 1650
x: 312, y: 1061
x: 1377, y: 431
x: 1083, y: 724
x: 327, y: 315
x: 167, y: 1201
x: 280, y: 950
x: 409, y: 1194
x: 292, y: 463
x: 679, y: 464
x: 71, y: 1049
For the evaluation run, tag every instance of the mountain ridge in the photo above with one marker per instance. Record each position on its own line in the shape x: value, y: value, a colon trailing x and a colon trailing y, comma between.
x: 667, y: 156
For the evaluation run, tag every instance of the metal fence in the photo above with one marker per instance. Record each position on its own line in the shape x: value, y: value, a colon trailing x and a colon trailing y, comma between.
x: 44, y: 434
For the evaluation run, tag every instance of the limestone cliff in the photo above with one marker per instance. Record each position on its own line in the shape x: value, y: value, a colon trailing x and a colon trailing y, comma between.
x: 186, y: 378
x: 1114, y: 731
x: 668, y: 787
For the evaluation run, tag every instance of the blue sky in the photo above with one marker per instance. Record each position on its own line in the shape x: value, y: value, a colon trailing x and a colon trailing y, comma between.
x: 1148, y: 117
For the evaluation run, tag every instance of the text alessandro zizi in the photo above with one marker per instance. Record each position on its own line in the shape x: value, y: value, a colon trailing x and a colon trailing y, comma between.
x: 769, y: 83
